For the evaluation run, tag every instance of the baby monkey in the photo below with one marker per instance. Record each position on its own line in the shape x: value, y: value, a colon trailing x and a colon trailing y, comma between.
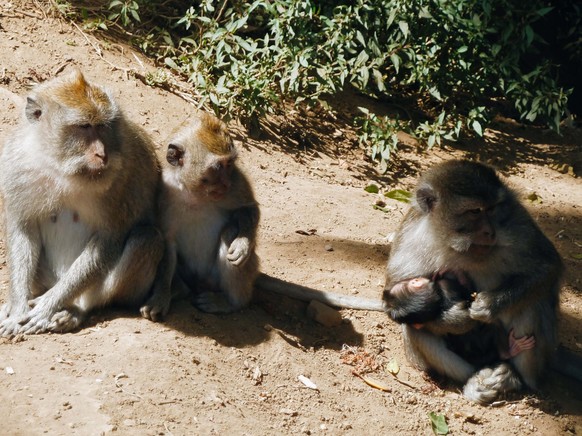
x: 209, y: 217
x: 442, y: 302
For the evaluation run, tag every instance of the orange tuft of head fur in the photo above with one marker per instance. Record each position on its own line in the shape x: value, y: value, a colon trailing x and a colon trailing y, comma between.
x: 91, y: 101
x: 213, y: 133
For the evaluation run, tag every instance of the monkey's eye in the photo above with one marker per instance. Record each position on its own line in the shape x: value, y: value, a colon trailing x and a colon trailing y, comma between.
x: 175, y: 155
x: 85, y: 126
x: 205, y: 180
x: 475, y: 211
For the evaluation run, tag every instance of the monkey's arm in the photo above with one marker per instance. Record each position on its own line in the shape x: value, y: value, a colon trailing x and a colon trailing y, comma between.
x: 158, y: 304
x: 87, y: 270
x: 515, y: 293
x: 303, y: 293
x: 24, y: 246
x: 240, y: 233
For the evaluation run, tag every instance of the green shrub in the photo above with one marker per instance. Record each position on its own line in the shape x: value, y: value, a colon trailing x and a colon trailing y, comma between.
x: 455, y: 60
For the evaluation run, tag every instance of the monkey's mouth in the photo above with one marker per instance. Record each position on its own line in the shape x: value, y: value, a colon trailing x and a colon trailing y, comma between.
x: 480, y: 250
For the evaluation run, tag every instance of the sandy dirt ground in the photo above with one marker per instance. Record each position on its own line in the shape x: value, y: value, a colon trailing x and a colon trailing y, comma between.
x: 196, y: 373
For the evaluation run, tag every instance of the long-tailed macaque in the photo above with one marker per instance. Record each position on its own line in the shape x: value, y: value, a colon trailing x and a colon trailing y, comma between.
x: 466, y: 221
x: 79, y: 183
x: 441, y: 303
x: 209, y: 219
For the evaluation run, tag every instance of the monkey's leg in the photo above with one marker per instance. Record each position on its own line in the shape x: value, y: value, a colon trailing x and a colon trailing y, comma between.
x: 539, y: 321
x: 488, y: 383
x: 429, y: 351
x: 24, y: 247
x: 157, y: 306
x: 127, y: 283
x: 234, y: 281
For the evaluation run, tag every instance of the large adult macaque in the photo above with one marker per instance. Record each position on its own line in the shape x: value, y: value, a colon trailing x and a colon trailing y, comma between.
x: 209, y: 217
x: 79, y: 184
x: 465, y: 221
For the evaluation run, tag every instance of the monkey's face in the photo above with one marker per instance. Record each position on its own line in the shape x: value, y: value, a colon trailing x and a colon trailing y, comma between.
x: 88, y: 149
x: 471, y: 224
x: 414, y: 301
x: 205, y: 175
x: 79, y: 125
x: 215, y: 181
x: 467, y: 206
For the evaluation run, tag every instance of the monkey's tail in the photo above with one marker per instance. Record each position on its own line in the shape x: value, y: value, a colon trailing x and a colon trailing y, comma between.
x: 304, y: 293
x: 567, y: 363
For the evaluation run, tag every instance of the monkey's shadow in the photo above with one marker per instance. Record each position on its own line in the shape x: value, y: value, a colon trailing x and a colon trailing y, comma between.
x: 268, y: 315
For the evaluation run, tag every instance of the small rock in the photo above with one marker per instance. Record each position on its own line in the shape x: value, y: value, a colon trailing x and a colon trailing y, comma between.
x: 328, y: 247
x: 324, y: 314
x: 129, y: 423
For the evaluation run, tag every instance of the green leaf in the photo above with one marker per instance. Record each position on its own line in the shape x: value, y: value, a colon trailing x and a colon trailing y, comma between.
x: 372, y: 189
x: 392, y: 367
x: 529, y: 34
x: 577, y: 256
x: 170, y: 63
x: 403, y: 27
x: 544, y: 11
x: 438, y: 423
x: 476, y: 125
x: 395, y: 61
x: 399, y: 195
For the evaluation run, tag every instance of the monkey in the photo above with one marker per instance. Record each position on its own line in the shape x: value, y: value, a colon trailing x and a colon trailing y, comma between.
x: 79, y: 182
x: 209, y: 217
x: 464, y: 219
x: 423, y: 300
x: 419, y: 300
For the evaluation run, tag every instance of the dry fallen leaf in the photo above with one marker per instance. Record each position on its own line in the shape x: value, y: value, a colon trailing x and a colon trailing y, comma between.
x: 374, y: 383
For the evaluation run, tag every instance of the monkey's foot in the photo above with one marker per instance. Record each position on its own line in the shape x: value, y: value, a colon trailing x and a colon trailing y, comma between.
x: 213, y: 302
x: 487, y: 384
x: 4, y: 311
x: 517, y: 345
x: 10, y: 327
x: 156, y: 307
x: 65, y: 321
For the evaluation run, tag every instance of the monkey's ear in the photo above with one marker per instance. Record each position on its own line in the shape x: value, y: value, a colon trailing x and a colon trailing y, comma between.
x: 175, y: 155
x: 33, y: 110
x: 426, y: 198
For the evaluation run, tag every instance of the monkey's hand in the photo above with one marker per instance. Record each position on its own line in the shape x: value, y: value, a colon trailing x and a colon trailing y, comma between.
x: 239, y: 250
x: 480, y: 309
x: 66, y: 320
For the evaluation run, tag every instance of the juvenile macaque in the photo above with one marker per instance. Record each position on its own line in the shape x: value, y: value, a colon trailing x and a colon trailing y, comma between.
x: 466, y: 219
x: 440, y: 304
x: 209, y: 219
x: 79, y: 183
x: 420, y: 300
